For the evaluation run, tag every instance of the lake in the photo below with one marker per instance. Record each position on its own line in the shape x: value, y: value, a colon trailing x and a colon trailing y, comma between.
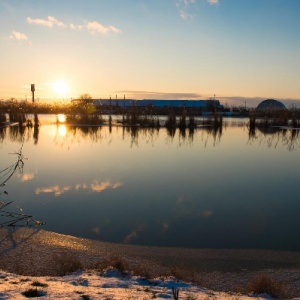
x: 204, y: 188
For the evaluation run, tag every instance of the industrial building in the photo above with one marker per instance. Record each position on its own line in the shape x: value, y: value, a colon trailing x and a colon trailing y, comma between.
x: 154, y: 103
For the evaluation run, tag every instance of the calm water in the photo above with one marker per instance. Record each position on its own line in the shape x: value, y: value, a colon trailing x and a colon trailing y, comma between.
x: 203, y: 189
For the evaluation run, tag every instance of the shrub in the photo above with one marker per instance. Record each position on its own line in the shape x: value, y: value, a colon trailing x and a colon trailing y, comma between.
x: 116, y: 263
x: 66, y: 263
x: 33, y: 293
x: 37, y: 283
x: 142, y: 272
x: 264, y: 284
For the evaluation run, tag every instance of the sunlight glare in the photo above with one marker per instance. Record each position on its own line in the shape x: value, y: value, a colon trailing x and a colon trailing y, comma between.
x: 62, y: 130
x: 61, y: 118
x: 60, y: 87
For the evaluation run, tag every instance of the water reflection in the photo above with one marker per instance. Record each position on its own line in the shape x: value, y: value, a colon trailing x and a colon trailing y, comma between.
x: 14, y: 217
x: 36, y: 131
x: 226, y: 186
x: 19, y: 134
x: 66, y: 135
x: 274, y: 136
x: 135, y: 133
x: 26, y: 176
x: 61, y: 130
x: 96, y: 186
x: 60, y: 118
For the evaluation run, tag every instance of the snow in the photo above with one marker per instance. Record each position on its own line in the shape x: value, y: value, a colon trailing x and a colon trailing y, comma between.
x: 108, y: 284
x: 40, y: 256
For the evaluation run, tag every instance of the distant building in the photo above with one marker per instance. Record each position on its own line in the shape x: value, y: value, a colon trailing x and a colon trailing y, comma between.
x: 270, y: 104
x: 155, y: 103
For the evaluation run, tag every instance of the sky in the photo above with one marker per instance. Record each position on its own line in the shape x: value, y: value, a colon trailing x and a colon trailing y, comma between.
x: 238, y: 51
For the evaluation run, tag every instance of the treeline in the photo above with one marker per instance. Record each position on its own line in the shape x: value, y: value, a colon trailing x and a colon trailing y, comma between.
x: 15, y: 106
x: 84, y: 112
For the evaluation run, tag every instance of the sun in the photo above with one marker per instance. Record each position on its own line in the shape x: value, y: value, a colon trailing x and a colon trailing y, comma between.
x: 61, y: 88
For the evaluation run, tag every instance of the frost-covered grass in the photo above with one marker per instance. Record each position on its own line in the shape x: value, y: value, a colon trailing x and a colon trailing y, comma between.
x: 107, y: 284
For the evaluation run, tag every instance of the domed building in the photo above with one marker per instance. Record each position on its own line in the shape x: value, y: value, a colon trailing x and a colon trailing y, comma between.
x: 270, y: 104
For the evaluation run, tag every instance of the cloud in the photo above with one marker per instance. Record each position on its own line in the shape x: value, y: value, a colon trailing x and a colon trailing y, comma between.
x: 75, y: 27
x: 184, y: 15
x: 49, y: 22
x: 159, y: 95
x: 187, y: 7
x: 187, y: 2
x: 18, y: 36
x: 93, y: 27
x: 97, y: 28
x: 213, y: 2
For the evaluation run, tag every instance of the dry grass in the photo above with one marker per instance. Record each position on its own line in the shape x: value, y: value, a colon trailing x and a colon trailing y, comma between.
x: 66, y: 263
x: 265, y: 284
x: 115, y: 262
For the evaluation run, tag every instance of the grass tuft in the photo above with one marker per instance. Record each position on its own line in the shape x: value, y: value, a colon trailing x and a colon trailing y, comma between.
x: 33, y: 293
x: 40, y: 284
x: 66, y: 263
x: 265, y: 284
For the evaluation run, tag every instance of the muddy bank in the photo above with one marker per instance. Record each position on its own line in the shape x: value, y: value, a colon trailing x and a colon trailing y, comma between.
x: 39, y: 252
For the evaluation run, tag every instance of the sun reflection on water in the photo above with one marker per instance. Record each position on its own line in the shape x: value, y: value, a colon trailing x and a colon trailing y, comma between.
x: 62, y: 130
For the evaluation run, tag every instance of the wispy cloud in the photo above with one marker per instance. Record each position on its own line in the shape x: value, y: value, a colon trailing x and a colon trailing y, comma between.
x: 184, y: 15
x: 159, y: 95
x: 186, y: 7
x: 76, y: 27
x: 97, y: 28
x: 92, y: 27
x: 213, y: 2
x: 49, y: 22
x: 15, y: 35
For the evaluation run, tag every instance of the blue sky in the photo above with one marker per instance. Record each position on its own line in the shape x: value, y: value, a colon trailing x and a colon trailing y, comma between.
x: 238, y: 50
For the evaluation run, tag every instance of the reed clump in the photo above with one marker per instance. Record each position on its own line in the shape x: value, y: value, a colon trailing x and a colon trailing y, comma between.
x: 136, y: 117
x: 2, y: 118
x: 85, y: 119
x: 274, y: 118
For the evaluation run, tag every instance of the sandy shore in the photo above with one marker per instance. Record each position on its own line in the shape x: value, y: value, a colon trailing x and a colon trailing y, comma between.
x: 36, y: 252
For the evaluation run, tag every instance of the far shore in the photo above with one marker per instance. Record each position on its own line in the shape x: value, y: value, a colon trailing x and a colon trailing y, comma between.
x: 34, y: 252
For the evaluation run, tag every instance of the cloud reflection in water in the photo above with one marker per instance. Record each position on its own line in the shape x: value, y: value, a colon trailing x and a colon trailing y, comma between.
x: 26, y: 177
x: 95, y: 186
x: 56, y: 190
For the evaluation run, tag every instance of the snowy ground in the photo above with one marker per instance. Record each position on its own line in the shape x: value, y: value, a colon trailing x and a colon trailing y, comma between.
x: 40, y: 256
x: 109, y: 284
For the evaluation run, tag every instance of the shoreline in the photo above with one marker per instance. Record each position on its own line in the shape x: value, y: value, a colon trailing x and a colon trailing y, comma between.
x: 35, y: 252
